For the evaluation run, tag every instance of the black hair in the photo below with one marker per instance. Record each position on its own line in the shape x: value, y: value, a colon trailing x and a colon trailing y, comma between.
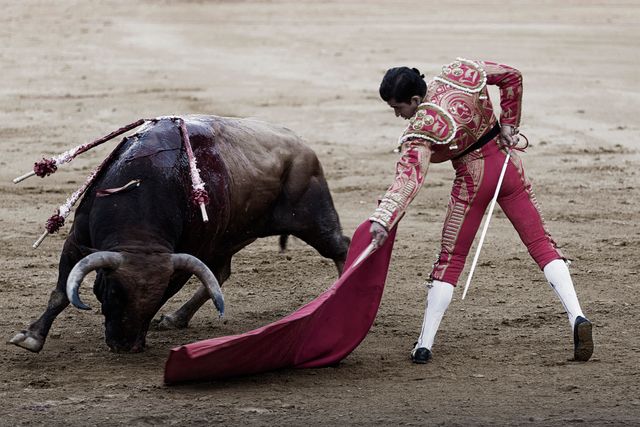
x: 402, y: 83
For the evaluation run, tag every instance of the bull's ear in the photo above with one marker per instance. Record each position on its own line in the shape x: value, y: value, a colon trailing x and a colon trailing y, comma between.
x: 102, y: 259
x: 84, y: 250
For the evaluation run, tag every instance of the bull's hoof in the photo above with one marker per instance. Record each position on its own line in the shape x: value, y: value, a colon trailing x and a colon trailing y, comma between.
x: 25, y: 340
x: 126, y: 349
x: 170, y: 322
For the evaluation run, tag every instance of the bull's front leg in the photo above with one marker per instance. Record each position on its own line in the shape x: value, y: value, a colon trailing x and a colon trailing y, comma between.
x: 34, y: 337
x: 180, y: 318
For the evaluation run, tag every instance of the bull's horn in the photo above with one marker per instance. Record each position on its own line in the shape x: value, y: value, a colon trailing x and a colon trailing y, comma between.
x: 193, y: 265
x: 85, y: 266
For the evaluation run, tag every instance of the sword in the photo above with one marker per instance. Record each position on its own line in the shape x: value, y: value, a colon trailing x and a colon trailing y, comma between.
x: 365, y: 253
x: 486, y: 223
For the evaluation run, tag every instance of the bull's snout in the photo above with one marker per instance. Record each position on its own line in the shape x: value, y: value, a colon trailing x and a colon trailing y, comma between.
x: 119, y: 346
x: 121, y: 339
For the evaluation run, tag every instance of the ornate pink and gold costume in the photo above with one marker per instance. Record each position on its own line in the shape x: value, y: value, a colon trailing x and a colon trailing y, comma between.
x: 456, y: 112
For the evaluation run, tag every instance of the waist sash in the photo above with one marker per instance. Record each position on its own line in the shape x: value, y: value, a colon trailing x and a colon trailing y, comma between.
x: 481, y: 142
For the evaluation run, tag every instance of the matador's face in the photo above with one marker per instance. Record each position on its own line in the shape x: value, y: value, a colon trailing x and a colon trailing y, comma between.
x: 406, y: 110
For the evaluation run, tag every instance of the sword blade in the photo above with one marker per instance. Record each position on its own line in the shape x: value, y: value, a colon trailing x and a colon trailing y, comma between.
x: 486, y: 224
x: 365, y: 253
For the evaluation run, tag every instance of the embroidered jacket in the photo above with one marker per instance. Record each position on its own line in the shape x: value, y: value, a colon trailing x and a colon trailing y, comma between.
x: 455, y: 113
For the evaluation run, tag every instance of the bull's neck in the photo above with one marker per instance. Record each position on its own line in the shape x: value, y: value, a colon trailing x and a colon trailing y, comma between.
x: 135, y: 242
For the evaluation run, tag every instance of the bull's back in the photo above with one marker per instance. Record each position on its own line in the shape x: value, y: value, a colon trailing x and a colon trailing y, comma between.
x: 259, y: 157
x: 255, y: 149
x: 246, y: 165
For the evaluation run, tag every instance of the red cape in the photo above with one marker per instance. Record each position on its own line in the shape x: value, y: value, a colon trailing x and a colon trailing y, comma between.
x: 321, y: 333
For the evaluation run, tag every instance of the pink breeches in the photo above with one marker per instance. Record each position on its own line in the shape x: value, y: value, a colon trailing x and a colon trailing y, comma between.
x: 477, y: 174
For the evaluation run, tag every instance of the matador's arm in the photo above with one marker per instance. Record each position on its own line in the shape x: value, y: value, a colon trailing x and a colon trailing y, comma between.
x: 509, y: 80
x: 411, y: 170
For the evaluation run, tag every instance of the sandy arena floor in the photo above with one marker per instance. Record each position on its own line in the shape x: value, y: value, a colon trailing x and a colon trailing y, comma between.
x: 73, y: 71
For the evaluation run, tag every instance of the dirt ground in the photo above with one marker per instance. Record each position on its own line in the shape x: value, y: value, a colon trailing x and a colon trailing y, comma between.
x: 73, y: 71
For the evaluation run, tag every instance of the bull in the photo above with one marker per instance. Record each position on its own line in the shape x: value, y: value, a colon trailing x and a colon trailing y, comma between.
x: 146, y: 242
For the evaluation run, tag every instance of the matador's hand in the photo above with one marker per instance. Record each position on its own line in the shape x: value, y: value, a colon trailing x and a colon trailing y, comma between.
x: 378, y: 234
x: 509, y: 136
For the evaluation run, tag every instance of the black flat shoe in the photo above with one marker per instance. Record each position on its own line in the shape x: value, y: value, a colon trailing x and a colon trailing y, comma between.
x: 582, y: 340
x: 421, y: 355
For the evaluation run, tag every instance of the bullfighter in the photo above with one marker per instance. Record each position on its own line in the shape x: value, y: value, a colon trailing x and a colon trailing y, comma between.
x: 452, y: 118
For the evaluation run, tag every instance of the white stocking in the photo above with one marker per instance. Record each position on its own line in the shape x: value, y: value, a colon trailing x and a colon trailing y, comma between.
x: 438, y: 300
x: 558, y: 276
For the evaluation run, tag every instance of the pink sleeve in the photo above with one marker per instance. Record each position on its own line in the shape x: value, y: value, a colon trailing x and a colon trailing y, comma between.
x: 509, y: 80
x: 411, y: 170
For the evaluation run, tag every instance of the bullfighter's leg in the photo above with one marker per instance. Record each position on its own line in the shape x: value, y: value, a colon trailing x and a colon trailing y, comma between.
x: 470, y: 195
x: 519, y: 204
x: 180, y: 318
x: 34, y: 337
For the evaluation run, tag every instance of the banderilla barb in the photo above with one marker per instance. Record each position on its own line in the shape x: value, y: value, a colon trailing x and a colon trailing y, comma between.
x: 45, y: 167
x: 56, y: 221
x: 199, y: 195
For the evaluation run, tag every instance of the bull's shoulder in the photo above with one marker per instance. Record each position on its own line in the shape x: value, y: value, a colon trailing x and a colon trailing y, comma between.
x: 160, y: 142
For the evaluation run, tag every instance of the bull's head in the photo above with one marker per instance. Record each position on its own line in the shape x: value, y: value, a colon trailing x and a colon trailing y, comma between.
x: 132, y: 288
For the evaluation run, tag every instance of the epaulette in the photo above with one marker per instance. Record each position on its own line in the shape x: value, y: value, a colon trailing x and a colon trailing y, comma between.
x: 463, y: 74
x: 430, y: 122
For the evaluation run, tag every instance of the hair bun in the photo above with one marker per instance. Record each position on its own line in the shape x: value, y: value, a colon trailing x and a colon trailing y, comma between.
x: 415, y: 70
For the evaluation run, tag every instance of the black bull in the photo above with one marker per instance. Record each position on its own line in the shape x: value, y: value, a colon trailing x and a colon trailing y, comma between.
x: 146, y: 242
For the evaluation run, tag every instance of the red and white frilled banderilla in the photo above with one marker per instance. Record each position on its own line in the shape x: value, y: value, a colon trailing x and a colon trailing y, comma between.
x: 45, y: 167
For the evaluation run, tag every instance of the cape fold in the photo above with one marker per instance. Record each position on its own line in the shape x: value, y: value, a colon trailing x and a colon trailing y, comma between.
x: 320, y: 333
